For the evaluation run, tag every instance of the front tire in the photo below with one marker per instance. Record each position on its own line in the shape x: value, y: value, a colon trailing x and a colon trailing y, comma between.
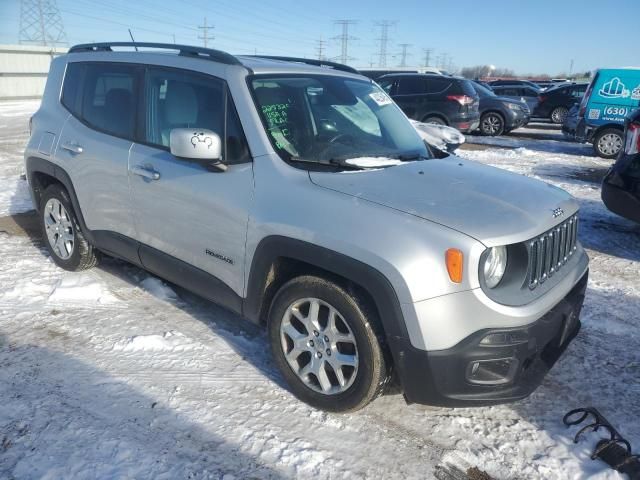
x: 608, y: 142
x: 492, y: 124
x: 324, y: 342
x: 61, y: 232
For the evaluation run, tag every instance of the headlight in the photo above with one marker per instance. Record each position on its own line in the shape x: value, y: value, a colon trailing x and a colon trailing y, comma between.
x: 514, y: 106
x: 495, y: 264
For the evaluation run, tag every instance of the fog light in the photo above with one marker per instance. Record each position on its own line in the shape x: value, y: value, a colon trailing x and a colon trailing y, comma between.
x: 492, y: 372
x: 502, y: 339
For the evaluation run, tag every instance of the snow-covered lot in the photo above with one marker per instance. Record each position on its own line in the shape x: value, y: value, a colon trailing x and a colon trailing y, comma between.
x: 112, y: 373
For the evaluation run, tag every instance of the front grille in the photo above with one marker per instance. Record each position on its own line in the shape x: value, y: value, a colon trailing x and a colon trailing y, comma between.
x: 550, y: 251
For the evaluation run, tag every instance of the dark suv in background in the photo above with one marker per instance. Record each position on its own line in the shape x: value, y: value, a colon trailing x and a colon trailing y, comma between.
x: 430, y: 98
x: 555, y: 102
x: 621, y: 186
x: 499, y: 115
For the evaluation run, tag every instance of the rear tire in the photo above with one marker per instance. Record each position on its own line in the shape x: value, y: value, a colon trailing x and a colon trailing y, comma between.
x: 435, y: 120
x: 492, y: 124
x: 334, y: 365
x: 558, y: 115
x: 61, y: 232
x: 608, y: 142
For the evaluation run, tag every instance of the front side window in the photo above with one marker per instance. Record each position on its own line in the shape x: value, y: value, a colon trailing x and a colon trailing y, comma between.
x: 325, y: 119
x: 182, y: 99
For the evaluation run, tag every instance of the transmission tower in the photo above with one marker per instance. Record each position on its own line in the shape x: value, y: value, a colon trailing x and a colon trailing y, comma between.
x: 427, y: 56
x: 345, y: 38
x: 384, y: 40
x: 41, y: 23
x: 322, y: 45
x: 205, y: 37
x: 403, y: 54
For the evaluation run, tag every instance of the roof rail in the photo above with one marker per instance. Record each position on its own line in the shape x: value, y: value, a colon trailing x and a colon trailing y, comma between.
x: 186, y: 50
x: 309, y: 61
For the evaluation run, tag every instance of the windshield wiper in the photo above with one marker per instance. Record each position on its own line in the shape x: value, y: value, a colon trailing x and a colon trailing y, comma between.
x: 414, y: 156
x: 332, y: 161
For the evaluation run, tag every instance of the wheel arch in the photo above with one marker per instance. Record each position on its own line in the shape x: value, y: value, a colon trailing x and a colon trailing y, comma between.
x: 41, y: 173
x: 277, y: 259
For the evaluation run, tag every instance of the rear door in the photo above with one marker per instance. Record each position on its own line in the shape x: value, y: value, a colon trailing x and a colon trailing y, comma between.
x: 96, y: 139
x: 188, y: 212
x: 409, y: 94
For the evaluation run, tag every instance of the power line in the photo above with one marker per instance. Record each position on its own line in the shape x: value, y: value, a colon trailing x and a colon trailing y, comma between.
x: 41, y: 23
x: 205, y: 32
x: 403, y: 54
x: 427, y: 55
x: 384, y: 40
x: 321, y: 48
x: 344, y: 38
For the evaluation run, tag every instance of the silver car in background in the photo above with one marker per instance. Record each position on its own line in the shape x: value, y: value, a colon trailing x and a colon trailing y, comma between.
x: 298, y: 195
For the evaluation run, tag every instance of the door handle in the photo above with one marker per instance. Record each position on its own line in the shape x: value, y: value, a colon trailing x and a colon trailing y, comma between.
x: 73, y: 147
x: 145, y: 172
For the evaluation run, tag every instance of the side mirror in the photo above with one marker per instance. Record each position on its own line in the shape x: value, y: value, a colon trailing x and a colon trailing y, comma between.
x: 197, y: 144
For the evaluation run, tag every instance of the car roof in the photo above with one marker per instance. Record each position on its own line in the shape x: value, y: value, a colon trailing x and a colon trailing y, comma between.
x: 424, y: 75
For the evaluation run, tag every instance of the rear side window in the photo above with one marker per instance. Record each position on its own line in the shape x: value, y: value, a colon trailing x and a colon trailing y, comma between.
x: 437, y: 85
x: 411, y: 86
x: 102, y: 96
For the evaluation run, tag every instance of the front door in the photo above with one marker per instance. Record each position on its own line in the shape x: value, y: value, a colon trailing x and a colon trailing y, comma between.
x: 181, y: 208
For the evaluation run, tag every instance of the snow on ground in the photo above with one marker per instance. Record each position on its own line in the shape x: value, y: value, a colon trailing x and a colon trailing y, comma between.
x: 113, y: 373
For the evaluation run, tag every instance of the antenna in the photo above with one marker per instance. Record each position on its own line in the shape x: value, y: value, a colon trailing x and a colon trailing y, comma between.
x: 41, y: 23
x: 132, y: 39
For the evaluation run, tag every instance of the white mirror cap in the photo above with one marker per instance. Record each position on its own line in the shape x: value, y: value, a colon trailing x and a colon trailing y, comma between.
x: 196, y: 143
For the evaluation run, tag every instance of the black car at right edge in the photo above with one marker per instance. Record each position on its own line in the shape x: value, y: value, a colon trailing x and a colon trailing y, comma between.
x: 621, y: 186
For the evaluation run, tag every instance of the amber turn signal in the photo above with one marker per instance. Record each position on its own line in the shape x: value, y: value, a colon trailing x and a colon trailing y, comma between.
x: 454, y: 259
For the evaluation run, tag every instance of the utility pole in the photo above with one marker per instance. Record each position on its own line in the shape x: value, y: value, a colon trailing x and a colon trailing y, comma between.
x: 570, y: 68
x: 384, y: 40
x: 205, y: 32
x: 41, y: 23
x: 344, y: 39
x: 403, y: 54
x: 321, y: 48
x: 427, y: 55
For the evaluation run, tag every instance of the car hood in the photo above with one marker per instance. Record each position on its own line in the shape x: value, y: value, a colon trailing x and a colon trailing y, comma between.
x: 489, y: 204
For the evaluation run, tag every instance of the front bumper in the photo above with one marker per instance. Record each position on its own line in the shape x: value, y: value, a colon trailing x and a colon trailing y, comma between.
x: 445, y: 377
x: 516, y: 119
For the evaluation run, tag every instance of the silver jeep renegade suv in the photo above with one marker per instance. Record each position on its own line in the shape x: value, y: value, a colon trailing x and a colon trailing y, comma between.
x: 297, y: 194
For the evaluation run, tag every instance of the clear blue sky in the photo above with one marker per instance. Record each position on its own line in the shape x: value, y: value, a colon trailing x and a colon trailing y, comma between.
x: 540, y: 36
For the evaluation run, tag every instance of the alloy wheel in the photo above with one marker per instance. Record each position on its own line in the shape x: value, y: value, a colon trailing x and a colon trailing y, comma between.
x: 491, y: 125
x: 59, y: 229
x: 559, y: 114
x: 319, y: 346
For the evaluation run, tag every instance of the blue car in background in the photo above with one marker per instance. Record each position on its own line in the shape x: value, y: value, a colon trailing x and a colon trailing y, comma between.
x: 611, y: 96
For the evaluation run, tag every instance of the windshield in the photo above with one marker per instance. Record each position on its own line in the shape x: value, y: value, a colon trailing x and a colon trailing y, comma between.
x: 327, y: 119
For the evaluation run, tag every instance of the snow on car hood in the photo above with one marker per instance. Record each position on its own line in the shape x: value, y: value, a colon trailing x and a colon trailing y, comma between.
x: 487, y: 203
